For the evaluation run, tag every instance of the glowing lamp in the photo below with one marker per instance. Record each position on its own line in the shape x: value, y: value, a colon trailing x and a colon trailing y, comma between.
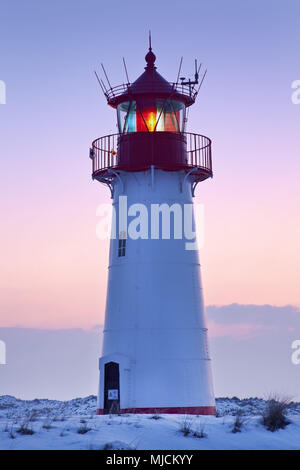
x: 150, y: 120
x: 146, y: 119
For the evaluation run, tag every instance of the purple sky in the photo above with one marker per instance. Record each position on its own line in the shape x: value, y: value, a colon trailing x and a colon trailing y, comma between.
x: 53, y: 263
x: 53, y: 267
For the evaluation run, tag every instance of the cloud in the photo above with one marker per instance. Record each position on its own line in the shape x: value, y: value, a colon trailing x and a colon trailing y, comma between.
x: 250, y: 349
x: 237, y: 330
x: 268, y: 314
x: 242, y: 321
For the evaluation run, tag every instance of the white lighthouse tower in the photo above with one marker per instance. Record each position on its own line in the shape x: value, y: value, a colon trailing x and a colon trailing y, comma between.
x: 155, y: 354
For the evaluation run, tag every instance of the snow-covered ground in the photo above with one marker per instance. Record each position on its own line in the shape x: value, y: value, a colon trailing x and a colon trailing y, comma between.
x: 51, y: 424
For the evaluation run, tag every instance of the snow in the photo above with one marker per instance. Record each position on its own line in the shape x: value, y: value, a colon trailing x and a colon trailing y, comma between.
x: 74, y: 425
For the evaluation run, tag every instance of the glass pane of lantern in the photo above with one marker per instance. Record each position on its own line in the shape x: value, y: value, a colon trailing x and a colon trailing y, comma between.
x: 130, y: 124
x: 170, y: 115
x: 171, y: 123
x: 160, y: 126
x: 127, y: 117
x: 179, y: 109
x: 146, y: 115
x: 122, y: 112
x: 149, y: 115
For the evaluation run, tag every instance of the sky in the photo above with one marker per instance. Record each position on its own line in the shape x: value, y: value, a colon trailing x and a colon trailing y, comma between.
x: 250, y: 347
x: 53, y: 267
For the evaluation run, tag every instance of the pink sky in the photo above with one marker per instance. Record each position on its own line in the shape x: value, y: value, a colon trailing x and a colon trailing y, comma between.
x: 53, y: 267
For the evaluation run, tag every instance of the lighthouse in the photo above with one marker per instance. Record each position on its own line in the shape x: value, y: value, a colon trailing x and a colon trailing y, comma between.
x: 155, y: 356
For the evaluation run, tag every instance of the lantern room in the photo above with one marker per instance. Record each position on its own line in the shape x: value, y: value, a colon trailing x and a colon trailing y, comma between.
x: 151, y: 116
x: 150, y: 104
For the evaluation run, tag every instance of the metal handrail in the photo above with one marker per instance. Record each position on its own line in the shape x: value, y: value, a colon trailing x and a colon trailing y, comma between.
x: 118, y: 90
x: 104, y: 152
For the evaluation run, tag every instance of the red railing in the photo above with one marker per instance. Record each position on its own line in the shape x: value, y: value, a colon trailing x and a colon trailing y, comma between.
x: 105, y: 152
x: 118, y: 90
x: 198, y: 151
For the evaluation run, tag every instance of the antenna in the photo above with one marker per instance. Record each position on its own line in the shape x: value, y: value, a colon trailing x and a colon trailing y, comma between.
x: 106, y: 75
x: 150, y: 48
x: 201, y: 83
x: 196, y: 71
x: 191, y: 83
x: 128, y: 81
x: 187, y: 115
x: 199, y: 68
x: 99, y: 81
x: 179, y: 70
x: 104, y: 85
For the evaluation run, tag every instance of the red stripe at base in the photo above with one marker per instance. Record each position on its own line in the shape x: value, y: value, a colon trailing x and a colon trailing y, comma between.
x: 191, y: 410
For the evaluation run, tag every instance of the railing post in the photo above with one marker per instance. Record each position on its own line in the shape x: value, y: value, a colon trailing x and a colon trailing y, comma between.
x: 109, y: 153
x: 93, y: 159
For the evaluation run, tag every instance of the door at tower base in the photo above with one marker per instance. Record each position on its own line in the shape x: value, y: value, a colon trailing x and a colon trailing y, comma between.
x: 114, y: 383
x: 111, y: 388
x: 174, y: 383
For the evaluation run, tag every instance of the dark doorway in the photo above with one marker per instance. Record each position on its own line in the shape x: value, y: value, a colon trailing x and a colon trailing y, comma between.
x: 111, y: 388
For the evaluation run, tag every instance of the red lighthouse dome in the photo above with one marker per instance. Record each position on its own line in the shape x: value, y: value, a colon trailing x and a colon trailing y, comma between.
x: 151, y: 121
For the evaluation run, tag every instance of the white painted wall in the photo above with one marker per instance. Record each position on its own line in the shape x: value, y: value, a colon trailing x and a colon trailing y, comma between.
x: 155, y: 319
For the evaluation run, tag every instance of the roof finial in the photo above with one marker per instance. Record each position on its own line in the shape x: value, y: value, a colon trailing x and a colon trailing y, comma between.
x: 150, y: 56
